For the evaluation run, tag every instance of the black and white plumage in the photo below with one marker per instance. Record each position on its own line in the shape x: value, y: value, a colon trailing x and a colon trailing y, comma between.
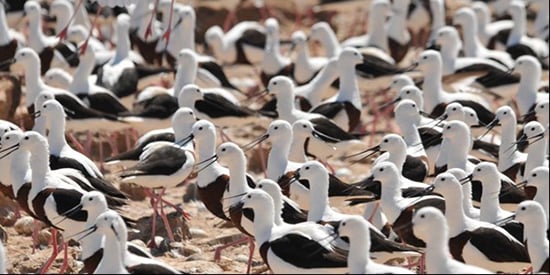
x: 472, y: 241
x: 399, y: 210
x: 345, y: 107
x: 519, y: 43
x: 306, y: 67
x: 435, y: 98
x: 303, y: 247
x: 8, y: 43
x: 536, y: 187
x: 243, y: 44
x: 216, y: 108
x: 528, y: 94
x: 286, y: 210
x: 531, y: 214
x: 491, y: 33
x: 437, y: 250
x: 359, y: 262
x: 274, y: 63
x: 114, y: 258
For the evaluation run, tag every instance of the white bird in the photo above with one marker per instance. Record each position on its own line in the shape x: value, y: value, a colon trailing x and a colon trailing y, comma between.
x: 437, y: 250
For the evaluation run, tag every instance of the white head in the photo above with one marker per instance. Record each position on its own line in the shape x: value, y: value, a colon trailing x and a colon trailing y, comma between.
x: 429, y: 61
x: 184, y: 117
x: 352, y: 226
x: 272, y: 26
x: 312, y: 170
x: 280, y: 84
x: 123, y: 23
x: 399, y: 81
x: 464, y: 16
x: 350, y: 56
x: 517, y: 10
x: 526, y: 65
x: 448, y: 37
x: 93, y: 200
x: 279, y: 130
x: 446, y: 184
x: 229, y: 153
x: 189, y: 94
x: 530, y: 213
x: 487, y: 172
x: 202, y: 128
x: 542, y: 108
x: 319, y: 30
x: 456, y: 130
x: 59, y: 7
x: 481, y: 11
x: 58, y: 77
x: 454, y: 111
x: 213, y: 36
x: 187, y: 15
x: 470, y: 116
x: 392, y: 143
x: 411, y: 92
x: 186, y: 57
x: 302, y: 128
x: 505, y: 114
x: 538, y: 178
x: 26, y: 56
x: 270, y: 187
x: 299, y: 39
x: 386, y: 172
x: 533, y: 129
x: 33, y: 10
x: 425, y: 220
x: 407, y: 111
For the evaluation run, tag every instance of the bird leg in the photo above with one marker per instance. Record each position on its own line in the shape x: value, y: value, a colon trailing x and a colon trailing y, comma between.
x: 230, y: 19
x: 55, y: 251
x: 164, y: 218
x: 217, y: 252
x: 153, y: 201
x: 65, y: 258
x: 35, y: 228
x: 178, y: 209
x: 251, y: 246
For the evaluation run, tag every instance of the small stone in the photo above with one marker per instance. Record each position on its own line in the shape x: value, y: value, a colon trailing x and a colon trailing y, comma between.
x: 195, y: 257
x: 189, y: 249
x: 44, y: 237
x: 24, y: 225
x: 134, y: 192
x: 197, y: 233
x: 8, y: 219
x: 203, y: 267
x: 242, y: 258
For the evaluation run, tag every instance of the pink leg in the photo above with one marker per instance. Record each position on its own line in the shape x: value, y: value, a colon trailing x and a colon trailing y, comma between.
x: 113, y: 143
x: 231, y: 17
x: 75, y: 143
x: 128, y: 143
x: 154, y: 202
x: 65, y: 258
x: 55, y: 251
x: 101, y: 153
x: 251, y: 246
x: 35, y: 228
x: 374, y: 211
x: 164, y: 218
x: 217, y: 252
x: 297, y: 21
x: 186, y: 215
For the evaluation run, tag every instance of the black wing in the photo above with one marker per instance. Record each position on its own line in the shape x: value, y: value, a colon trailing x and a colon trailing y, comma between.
x: 498, y: 247
x: 165, y: 160
x: 218, y: 106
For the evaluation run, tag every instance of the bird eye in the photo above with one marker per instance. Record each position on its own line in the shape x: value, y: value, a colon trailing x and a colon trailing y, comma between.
x: 26, y: 138
x: 386, y: 140
x: 23, y: 54
x: 7, y: 138
x: 249, y: 196
x: 105, y: 218
x: 90, y: 199
x: 276, y: 127
x: 422, y: 216
x: 425, y: 57
x: 275, y: 83
x: 442, y: 179
x: 534, y: 175
x: 223, y: 149
x: 532, y: 128
x: 471, y: 115
x: 381, y: 169
x: 478, y: 169
x: 505, y: 113
x: 523, y: 208
x: 344, y: 224
x: 307, y: 168
x: 408, y: 92
x: 260, y: 186
x: 200, y: 128
x: 448, y: 127
x: 454, y: 109
x: 414, y: 105
x: 304, y: 126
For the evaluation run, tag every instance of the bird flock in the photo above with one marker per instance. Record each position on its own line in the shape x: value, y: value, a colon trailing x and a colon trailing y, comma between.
x: 444, y: 106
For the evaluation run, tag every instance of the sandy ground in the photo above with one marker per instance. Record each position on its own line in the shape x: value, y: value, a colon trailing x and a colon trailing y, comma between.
x: 198, y: 237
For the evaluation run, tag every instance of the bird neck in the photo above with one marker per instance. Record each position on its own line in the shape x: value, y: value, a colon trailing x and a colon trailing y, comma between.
x: 490, y: 206
x: 277, y: 160
x: 278, y: 209
x: 518, y: 29
x: 472, y: 44
x: 188, y: 39
x: 397, y: 27
x: 33, y: 81
x: 527, y: 89
x: 40, y: 164
x: 93, y: 242
x: 437, y: 250
x: 456, y: 153
x: 467, y: 205
x: 56, y: 135
x: 438, y: 15
x: 359, y: 255
x: 349, y: 89
x: 541, y: 21
x: 389, y: 198
x: 409, y: 132
x: 303, y: 58
x: 537, y: 243
x: 456, y: 219
x: 62, y: 18
x: 186, y: 74
x: 80, y: 81
x: 432, y: 88
x: 113, y: 256
x: 285, y: 103
x: 536, y: 154
x: 507, y: 142
x: 36, y: 36
x: 5, y: 36
x: 542, y: 197
x: 19, y: 170
x: 398, y: 157
x: 378, y: 36
x: 330, y: 43
x: 297, y: 152
x: 449, y: 54
x: 318, y: 198
x: 122, y: 47
x: 237, y: 179
x: 263, y: 225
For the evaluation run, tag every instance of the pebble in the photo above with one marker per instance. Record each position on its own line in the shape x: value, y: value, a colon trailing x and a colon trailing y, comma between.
x: 8, y: 219
x: 44, y: 237
x: 201, y: 267
x: 197, y: 233
x: 189, y: 249
x: 195, y: 257
x: 343, y: 172
x: 24, y: 225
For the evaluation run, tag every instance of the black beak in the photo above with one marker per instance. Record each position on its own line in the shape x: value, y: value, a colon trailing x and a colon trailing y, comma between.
x: 490, y: 127
x: 323, y: 137
x: 255, y: 142
x: 397, y: 99
x: 466, y: 179
x: 374, y: 150
x: 186, y: 140
x: 6, y: 63
x: 412, y: 67
x: 68, y: 213
x: 209, y: 161
x: 505, y: 220
x: 9, y: 150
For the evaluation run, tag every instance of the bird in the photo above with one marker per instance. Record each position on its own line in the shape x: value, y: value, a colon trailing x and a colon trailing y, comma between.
x: 286, y: 210
x: 359, y: 262
x: 437, y: 247
x: 535, y: 185
x: 242, y: 44
x: 8, y: 43
x: 490, y: 32
x: 468, y: 237
x: 303, y: 247
x: 112, y: 227
x: 273, y: 63
x: 305, y: 66
x: 400, y: 210
x: 527, y: 95
x: 534, y: 220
